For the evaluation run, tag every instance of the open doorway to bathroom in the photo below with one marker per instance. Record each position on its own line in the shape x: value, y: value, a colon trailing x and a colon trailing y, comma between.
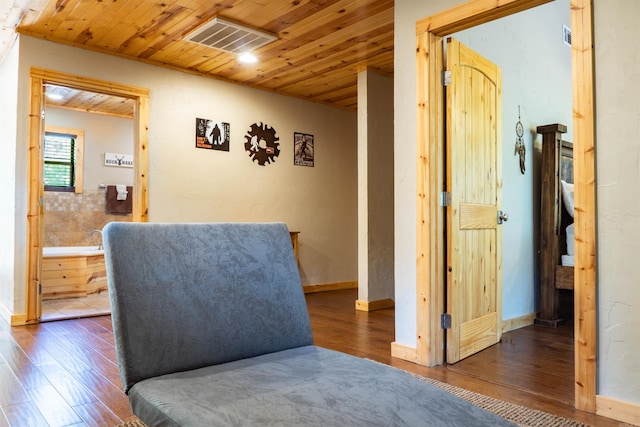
x: 87, y: 157
x: 102, y: 121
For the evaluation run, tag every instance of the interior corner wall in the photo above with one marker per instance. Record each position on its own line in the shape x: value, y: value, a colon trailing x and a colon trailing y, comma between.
x: 375, y: 187
x: 9, y: 188
x: 189, y: 184
x: 406, y: 13
x: 617, y: 94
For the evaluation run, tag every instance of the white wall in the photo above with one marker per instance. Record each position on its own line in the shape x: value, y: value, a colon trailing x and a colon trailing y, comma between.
x: 406, y: 13
x: 617, y: 90
x: 375, y: 187
x: 102, y: 134
x: 8, y: 183
x: 189, y: 184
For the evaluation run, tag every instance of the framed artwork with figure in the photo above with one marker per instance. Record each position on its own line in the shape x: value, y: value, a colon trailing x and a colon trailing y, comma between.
x: 212, y: 135
x: 303, y: 149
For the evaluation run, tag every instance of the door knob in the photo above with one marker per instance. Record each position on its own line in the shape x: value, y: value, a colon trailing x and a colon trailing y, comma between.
x: 502, y: 217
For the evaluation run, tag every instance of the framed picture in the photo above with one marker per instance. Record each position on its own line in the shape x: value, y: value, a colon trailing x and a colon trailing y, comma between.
x: 212, y: 135
x: 303, y: 149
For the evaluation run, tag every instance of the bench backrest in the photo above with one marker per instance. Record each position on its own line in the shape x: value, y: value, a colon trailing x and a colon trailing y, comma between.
x: 185, y: 296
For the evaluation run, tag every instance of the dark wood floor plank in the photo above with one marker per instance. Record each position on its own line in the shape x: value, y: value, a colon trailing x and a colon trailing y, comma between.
x: 97, y: 415
x: 24, y: 338
x: 20, y: 364
x: 3, y: 419
x: 24, y: 415
x: 107, y: 392
x: 11, y: 391
x: 54, y: 409
x: 75, y: 360
x: 72, y: 391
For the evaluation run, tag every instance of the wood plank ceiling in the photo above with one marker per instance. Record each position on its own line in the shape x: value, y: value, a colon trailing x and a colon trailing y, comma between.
x: 321, y: 45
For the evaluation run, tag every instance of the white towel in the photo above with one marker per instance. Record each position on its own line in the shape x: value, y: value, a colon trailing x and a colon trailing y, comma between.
x: 122, y: 192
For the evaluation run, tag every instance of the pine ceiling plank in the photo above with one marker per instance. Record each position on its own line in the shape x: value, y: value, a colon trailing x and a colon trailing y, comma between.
x: 321, y: 62
x: 329, y: 45
x: 328, y: 22
x: 321, y: 45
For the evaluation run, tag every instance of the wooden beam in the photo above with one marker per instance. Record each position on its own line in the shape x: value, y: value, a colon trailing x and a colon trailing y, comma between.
x: 473, y: 13
x: 34, y: 196
x: 585, y: 205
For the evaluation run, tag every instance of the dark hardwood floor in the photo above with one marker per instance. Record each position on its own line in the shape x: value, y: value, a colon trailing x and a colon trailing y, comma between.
x: 65, y: 374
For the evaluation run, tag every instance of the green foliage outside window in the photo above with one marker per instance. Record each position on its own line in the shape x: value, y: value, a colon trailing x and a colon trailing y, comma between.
x: 59, y: 162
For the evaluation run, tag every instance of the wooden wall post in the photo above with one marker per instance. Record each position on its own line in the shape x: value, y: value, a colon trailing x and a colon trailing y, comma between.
x: 549, y: 223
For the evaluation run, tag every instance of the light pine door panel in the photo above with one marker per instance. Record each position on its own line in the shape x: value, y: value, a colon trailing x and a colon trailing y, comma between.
x: 474, y: 237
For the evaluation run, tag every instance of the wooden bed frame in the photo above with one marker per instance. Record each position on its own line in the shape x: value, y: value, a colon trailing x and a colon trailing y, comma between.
x: 556, y: 280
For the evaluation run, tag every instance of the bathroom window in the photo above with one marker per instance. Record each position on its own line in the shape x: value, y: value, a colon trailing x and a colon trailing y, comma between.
x: 63, y: 152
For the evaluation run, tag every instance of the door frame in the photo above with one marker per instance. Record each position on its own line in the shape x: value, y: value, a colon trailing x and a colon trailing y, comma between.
x: 38, y: 79
x: 431, y: 256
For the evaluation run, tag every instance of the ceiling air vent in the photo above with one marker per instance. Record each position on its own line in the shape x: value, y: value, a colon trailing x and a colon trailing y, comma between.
x: 229, y: 36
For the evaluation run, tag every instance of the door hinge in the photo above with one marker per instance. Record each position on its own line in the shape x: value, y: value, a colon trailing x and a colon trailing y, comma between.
x: 41, y: 200
x: 445, y: 321
x: 39, y: 288
x: 445, y: 198
x: 446, y: 77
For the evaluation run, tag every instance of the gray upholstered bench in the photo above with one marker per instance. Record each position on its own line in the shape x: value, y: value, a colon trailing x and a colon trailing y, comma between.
x: 212, y: 329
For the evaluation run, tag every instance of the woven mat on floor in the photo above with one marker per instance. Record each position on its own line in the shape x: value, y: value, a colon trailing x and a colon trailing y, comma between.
x: 520, y: 415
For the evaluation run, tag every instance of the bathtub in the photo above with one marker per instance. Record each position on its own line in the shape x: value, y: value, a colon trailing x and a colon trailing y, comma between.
x: 65, y: 251
x: 72, y: 271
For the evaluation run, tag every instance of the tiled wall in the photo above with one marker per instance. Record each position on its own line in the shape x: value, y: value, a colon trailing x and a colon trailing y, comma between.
x: 70, y: 217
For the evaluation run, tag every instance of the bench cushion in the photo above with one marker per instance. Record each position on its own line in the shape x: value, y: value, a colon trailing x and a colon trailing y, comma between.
x: 307, y: 386
x: 185, y: 296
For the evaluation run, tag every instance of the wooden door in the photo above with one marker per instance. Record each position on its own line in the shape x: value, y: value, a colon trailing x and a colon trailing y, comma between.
x: 473, y: 180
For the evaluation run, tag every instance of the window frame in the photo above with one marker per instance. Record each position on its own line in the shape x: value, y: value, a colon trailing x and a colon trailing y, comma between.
x: 78, y: 169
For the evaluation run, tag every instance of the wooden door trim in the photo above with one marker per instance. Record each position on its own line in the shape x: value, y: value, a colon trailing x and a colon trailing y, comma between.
x: 38, y: 78
x: 430, y: 230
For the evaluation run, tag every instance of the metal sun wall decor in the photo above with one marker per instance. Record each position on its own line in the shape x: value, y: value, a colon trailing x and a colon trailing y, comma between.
x: 261, y: 143
x: 212, y: 135
x: 303, y: 149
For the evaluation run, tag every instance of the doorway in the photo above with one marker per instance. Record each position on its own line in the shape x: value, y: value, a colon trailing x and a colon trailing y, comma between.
x: 430, y: 218
x: 83, y: 131
x: 35, y: 221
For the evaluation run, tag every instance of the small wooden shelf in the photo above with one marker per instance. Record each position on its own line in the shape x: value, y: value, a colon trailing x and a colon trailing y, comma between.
x: 294, y: 242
